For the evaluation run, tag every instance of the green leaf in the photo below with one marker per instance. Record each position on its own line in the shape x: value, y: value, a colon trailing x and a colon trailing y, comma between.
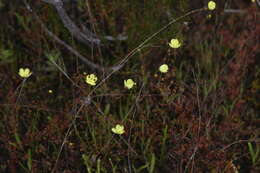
x: 29, y: 161
x: 152, y: 164
x: 18, y: 140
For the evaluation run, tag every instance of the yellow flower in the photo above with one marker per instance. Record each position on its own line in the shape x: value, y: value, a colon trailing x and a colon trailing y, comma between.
x: 175, y: 43
x: 164, y: 68
x: 211, y: 5
x: 209, y: 16
x: 118, y: 129
x: 129, y: 83
x: 91, y: 79
x: 50, y: 91
x: 253, y: 1
x: 25, y: 73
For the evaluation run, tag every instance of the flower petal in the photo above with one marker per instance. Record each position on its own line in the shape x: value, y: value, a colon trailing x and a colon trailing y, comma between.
x: 164, y: 68
x: 211, y: 5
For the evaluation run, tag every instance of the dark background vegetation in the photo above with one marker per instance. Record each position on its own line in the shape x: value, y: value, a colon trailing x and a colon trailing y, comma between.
x: 201, y: 116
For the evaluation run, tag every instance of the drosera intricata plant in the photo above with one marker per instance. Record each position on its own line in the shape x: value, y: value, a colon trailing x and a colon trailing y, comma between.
x: 118, y: 66
x: 129, y: 83
x: 24, y: 73
x: 91, y: 79
x: 211, y: 5
x: 118, y: 129
x: 109, y: 127
x: 164, y: 68
x: 50, y: 91
x: 175, y: 43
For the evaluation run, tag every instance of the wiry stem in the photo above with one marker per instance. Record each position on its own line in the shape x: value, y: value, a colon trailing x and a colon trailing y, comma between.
x: 72, y: 50
x: 86, y: 37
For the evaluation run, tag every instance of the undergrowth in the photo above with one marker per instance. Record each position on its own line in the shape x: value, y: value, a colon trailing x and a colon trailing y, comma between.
x: 201, y: 114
